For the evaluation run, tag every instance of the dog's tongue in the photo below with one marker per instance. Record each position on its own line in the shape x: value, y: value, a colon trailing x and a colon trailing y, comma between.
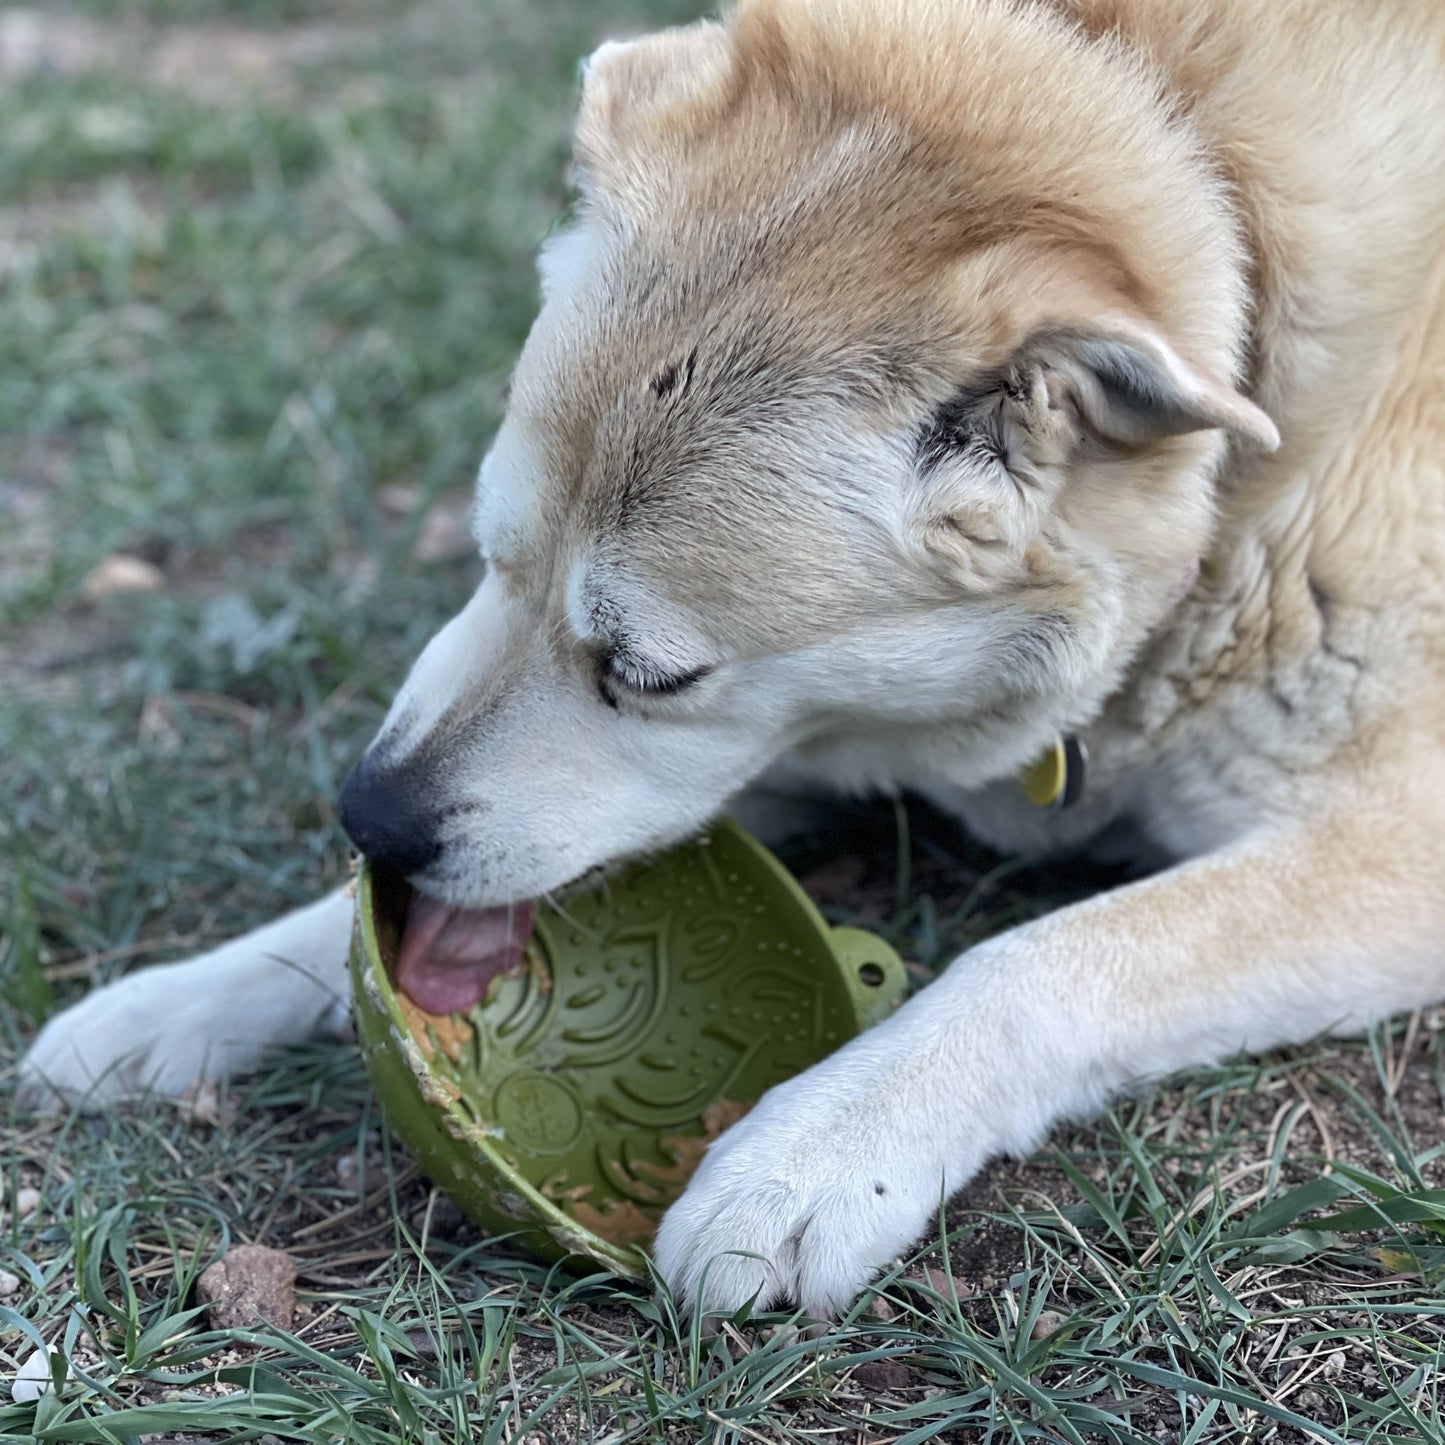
x: 448, y: 955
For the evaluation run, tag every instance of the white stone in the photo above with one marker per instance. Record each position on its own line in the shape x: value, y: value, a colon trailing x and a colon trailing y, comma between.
x: 32, y: 1379
x: 119, y: 573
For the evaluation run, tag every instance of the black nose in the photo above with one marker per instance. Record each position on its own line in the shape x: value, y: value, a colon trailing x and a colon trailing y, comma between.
x: 384, y: 812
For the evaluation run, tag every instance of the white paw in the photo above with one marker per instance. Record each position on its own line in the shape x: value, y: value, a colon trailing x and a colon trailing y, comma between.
x: 147, y: 1033
x: 806, y: 1199
x: 161, y: 1029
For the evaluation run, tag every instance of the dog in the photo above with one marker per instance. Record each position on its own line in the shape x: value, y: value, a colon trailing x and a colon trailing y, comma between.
x: 925, y: 387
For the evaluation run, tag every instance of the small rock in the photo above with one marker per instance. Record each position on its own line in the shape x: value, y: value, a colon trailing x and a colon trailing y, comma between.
x: 399, y: 498
x: 881, y: 1308
x: 446, y: 1218
x: 200, y: 1104
x: 1335, y: 1363
x: 346, y: 1170
x: 783, y: 1335
x: 251, y: 1283
x: 27, y: 1201
x: 1049, y: 1322
x: 32, y: 1379
x: 422, y: 1343
x: 120, y: 573
x: 943, y: 1285
x: 9, y: 1284
x: 883, y: 1375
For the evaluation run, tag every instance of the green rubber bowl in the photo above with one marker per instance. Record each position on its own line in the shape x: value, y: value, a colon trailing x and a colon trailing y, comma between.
x: 569, y: 1107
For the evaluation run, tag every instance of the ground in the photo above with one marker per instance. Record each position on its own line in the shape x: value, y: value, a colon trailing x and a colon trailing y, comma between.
x: 263, y: 268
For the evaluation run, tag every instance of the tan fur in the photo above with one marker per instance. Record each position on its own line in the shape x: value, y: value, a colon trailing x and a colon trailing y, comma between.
x: 1262, y: 182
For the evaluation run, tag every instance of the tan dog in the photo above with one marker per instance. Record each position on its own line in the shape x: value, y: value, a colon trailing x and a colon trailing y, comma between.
x: 923, y: 381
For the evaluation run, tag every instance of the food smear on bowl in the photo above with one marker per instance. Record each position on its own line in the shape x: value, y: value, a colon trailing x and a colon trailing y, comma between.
x: 686, y: 1150
x: 449, y: 956
x: 450, y: 1033
x: 619, y: 1221
x: 647, y: 1188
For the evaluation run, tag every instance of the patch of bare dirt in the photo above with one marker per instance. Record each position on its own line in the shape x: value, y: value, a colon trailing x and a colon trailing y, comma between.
x: 210, y: 62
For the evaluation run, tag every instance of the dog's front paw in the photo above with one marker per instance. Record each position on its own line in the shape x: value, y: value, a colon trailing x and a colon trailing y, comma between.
x: 147, y: 1033
x: 165, y: 1028
x: 808, y: 1197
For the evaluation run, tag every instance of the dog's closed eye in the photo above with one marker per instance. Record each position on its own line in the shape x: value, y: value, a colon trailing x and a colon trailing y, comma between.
x: 656, y: 684
x: 641, y: 680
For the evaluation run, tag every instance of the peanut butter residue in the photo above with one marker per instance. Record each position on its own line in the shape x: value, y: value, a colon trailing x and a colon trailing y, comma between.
x: 687, y: 1149
x: 723, y: 1114
x: 451, y: 1032
x: 623, y: 1221
x: 439, y: 1091
x: 619, y: 1221
x: 560, y: 1192
x: 535, y: 965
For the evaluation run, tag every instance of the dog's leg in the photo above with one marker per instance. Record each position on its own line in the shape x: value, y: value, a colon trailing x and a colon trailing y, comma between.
x: 1272, y: 941
x: 161, y: 1029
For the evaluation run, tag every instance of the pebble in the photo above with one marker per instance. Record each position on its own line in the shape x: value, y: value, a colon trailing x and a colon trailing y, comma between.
x: 251, y: 1283
x: 943, y: 1285
x: 120, y: 573
x: 9, y: 1283
x: 32, y: 1379
x: 200, y: 1103
x: 1049, y: 1322
x: 883, y: 1375
x: 784, y: 1335
x: 27, y: 1201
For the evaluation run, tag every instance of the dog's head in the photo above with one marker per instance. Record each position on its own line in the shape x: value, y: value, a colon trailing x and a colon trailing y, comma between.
x: 871, y: 414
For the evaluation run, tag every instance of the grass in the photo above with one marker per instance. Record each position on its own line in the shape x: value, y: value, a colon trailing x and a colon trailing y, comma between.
x: 254, y: 328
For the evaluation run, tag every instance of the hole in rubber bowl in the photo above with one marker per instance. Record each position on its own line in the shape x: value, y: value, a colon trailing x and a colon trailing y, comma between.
x: 871, y: 974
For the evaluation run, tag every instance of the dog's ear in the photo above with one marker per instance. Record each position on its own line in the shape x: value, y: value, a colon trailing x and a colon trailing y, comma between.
x: 994, y: 458
x: 1124, y: 384
x: 637, y: 91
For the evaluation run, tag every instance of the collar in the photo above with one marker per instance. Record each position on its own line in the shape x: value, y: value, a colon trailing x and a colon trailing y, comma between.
x: 1055, y: 779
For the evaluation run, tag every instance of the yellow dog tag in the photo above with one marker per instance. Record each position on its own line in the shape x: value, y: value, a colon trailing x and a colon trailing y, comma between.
x: 1055, y: 779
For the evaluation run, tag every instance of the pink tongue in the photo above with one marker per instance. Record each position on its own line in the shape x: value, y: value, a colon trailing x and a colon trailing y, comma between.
x: 448, y: 955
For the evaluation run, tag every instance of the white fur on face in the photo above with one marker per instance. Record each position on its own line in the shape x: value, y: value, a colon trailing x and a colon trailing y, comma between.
x: 504, y: 516
x: 566, y: 257
x: 541, y: 779
x: 467, y: 648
